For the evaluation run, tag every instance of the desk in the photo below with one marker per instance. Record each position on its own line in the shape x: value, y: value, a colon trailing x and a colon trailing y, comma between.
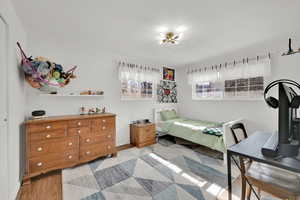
x: 251, y: 148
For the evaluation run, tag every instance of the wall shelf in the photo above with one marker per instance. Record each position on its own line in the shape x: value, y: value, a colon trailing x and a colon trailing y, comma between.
x: 69, y: 95
x: 291, y: 53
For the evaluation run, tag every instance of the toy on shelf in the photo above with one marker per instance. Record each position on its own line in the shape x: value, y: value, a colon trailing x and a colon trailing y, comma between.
x: 91, y: 92
x: 90, y: 111
x: 43, y: 74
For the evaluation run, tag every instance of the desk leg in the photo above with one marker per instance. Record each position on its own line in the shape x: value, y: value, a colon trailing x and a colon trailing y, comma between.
x: 229, y: 175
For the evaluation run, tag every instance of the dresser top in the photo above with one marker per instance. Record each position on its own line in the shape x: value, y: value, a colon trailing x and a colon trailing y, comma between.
x: 67, y: 117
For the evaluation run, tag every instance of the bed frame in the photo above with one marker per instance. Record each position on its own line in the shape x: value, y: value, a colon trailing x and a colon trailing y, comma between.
x: 228, y: 138
x: 156, y: 115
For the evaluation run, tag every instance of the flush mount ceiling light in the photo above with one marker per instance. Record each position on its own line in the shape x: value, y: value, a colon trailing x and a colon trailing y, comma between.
x: 170, y: 37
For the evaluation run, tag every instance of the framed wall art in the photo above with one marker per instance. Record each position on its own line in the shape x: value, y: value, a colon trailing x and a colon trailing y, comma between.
x: 167, y: 92
x: 168, y: 74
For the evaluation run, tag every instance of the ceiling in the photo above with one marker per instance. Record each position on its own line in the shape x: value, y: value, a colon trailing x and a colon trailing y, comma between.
x: 129, y: 28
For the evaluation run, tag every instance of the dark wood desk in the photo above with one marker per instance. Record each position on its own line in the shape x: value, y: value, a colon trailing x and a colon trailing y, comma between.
x: 251, y: 148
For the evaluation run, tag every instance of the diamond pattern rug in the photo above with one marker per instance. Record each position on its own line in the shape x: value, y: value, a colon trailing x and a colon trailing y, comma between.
x: 164, y: 171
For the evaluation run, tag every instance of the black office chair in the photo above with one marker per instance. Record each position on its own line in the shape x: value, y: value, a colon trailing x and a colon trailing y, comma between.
x: 234, y: 128
x: 275, y: 181
x: 234, y: 133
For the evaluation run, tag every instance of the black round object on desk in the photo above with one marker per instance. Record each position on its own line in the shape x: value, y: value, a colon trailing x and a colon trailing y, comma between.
x: 38, y: 113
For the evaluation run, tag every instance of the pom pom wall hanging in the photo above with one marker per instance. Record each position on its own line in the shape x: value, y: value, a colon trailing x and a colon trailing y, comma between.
x: 44, y: 74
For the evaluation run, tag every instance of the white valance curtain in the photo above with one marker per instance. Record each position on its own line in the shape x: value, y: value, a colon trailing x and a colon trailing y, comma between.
x: 139, y: 73
x: 253, y: 68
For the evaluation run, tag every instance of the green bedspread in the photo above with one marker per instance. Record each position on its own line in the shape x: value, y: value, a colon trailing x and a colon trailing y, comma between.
x: 191, y: 130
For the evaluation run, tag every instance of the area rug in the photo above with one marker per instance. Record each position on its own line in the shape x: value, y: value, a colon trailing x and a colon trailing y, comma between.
x: 163, y: 171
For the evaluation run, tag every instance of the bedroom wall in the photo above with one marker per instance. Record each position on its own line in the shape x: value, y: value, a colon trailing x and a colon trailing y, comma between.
x: 16, y: 105
x: 257, y: 114
x: 96, y: 70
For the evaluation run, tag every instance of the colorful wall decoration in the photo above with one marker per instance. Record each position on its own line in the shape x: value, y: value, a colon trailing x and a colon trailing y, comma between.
x: 169, y: 74
x: 167, y: 92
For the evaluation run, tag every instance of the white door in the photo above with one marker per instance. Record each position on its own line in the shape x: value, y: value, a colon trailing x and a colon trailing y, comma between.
x: 3, y: 110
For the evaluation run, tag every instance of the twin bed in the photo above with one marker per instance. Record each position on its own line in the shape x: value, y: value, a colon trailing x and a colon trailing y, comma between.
x: 216, y: 136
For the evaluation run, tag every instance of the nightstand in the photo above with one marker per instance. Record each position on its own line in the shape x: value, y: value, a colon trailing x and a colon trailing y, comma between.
x: 142, y: 135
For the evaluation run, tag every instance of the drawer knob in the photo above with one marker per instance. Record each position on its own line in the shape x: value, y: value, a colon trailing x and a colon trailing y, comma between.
x: 48, y: 127
x: 108, y: 147
x: 88, y: 153
x: 109, y: 136
x: 70, y: 157
x: 70, y: 144
x: 79, y: 131
x: 104, y: 120
x: 48, y: 136
x: 88, y: 140
x: 39, y: 164
x: 79, y: 123
x: 39, y: 149
x: 103, y: 127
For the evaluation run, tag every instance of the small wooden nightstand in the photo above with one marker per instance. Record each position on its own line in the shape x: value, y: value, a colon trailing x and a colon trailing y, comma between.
x: 142, y: 135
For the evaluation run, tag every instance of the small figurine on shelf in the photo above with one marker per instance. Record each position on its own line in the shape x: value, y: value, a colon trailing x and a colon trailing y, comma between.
x: 98, y: 110
x: 91, y: 111
x: 82, y: 110
x: 103, y: 110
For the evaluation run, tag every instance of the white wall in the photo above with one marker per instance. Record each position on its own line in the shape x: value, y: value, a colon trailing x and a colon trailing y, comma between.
x: 258, y: 115
x: 96, y: 70
x: 16, y: 97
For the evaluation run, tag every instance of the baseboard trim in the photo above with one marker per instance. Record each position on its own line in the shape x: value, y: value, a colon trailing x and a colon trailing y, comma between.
x: 124, y: 147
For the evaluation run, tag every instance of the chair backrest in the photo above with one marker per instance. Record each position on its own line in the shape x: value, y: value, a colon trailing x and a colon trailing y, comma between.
x: 234, y: 128
x: 237, y: 138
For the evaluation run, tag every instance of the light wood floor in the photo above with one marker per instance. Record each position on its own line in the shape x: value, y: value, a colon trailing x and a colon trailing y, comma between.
x: 44, y: 187
x: 48, y: 186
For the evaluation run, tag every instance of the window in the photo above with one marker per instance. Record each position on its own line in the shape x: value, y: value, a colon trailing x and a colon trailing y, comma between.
x: 251, y: 88
x: 208, y: 90
x: 132, y: 89
x: 242, y: 80
x: 244, y: 88
x: 138, y: 82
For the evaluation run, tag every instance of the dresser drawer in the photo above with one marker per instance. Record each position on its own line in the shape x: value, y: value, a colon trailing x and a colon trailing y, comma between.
x: 47, y: 126
x: 47, y: 135
x: 110, y: 147
x: 79, y: 123
x: 92, y: 150
x: 53, y: 146
x: 104, y: 121
x: 79, y: 131
x: 53, y: 161
x: 103, y: 125
x: 146, y: 133
x: 95, y: 150
x: 91, y: 139
x: 146, y: 136
x: 103, y: 129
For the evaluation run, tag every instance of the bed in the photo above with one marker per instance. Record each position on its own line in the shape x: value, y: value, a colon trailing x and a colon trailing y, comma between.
x: 193, y: 130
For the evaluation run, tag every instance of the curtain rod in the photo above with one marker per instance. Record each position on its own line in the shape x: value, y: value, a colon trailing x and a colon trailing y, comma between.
x: 234, y: 62
x: 131, y: 65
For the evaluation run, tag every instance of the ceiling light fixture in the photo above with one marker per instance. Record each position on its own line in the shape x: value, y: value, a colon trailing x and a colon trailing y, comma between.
x: 171, y: 37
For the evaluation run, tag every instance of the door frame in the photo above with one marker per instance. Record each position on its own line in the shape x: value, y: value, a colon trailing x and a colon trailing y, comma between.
x: 4, y: 142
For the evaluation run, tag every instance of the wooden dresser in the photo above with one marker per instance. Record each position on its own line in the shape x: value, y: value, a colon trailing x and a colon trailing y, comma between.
x: 142, y: 135
x: 65, y: 141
